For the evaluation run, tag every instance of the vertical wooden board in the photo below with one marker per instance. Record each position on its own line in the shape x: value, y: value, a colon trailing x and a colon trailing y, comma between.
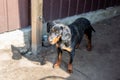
x: 13, y: 14
x: 101, y: 4
x: 73, y: 7
x: 118, y: 2
x: 64, y: 11
x: 17, y: 14
x: 3, y: 16
x: 107, y: 3
x: 23, y: 12
x: 94, y: 5
x: 80, y: 6
x: 29, y: 12
x: 55, y: 9
x: 87, y: 5
x: 46, y: 9
x: 112, y: 2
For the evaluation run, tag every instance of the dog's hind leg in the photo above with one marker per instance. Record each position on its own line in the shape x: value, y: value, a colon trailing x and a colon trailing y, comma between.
x: 70, y: 67
x: 88, y: 35
x: 77, y: 45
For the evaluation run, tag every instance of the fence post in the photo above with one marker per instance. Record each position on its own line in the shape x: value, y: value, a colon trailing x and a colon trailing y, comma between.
x: 36, y: 22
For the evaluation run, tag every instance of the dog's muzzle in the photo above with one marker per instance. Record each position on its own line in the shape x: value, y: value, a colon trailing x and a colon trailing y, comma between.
x: 53, y: 40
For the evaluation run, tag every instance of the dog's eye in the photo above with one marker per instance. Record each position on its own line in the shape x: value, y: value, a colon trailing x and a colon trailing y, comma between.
x: 52, y: 30
x: 56, y: 31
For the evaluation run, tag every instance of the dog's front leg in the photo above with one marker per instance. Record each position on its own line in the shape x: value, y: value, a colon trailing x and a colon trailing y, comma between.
x: 59, y: 58
x: 70, y: 67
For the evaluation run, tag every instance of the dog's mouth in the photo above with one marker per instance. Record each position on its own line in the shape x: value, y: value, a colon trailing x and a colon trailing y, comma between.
x: 54, y: 40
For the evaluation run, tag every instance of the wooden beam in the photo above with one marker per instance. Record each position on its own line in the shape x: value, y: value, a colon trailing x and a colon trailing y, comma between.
x: 36, y: 15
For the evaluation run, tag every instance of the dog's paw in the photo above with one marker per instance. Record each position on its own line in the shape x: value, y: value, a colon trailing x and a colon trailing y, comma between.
x: 56, y: 66
x: 69, y: 71
x: 89, y: 49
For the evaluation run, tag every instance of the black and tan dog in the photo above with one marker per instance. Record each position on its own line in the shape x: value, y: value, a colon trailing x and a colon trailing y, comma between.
x: 68, y: 37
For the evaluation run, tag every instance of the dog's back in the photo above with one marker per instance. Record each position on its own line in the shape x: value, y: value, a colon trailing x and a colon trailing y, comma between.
x: 82, y: 24
x: 80, y: 27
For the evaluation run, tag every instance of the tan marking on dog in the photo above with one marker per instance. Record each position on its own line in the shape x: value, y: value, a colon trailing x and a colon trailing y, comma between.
x: 70, y: 68
x: 89, y: 46
x: 67, y: 48
x: 57, y: 45
x: 58, y: 62
x: 55, y: 40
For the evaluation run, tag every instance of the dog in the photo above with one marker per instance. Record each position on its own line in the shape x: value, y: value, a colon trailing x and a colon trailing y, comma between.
x: 68, y: 38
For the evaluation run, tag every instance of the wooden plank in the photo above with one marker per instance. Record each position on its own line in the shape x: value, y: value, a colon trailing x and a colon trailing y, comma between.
x: 13, y: 14
x: 55, y: 9
x: 64, y: 8
x: 107, y: 3
x: 17, y: 14
x: 80, y: 6
x: 36, y: 13
x: 46, y: 9
x: 87, y: 5
x: 23, y: 13
x: 73, y: 7
x: 94, y: 5
x: 112, y: 2
x: 101, y: 4
x: 29, y: 12
x: 117, y: 2
x: 3, y: 16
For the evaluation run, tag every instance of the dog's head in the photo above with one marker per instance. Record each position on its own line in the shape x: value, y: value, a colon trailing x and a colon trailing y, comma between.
x: 57, y: 32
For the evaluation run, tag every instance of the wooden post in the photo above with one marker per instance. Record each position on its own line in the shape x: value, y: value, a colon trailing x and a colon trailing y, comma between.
x: 36, y: 15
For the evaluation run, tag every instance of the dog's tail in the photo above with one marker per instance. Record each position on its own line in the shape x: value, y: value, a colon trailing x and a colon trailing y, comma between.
x: 92, y: 28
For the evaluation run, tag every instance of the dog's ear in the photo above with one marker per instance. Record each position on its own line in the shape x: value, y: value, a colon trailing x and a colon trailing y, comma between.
x: 50, y: 25
x: 66, y: 35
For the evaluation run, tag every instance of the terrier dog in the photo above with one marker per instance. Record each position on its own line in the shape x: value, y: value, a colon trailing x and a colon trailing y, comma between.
x: 68, y: 37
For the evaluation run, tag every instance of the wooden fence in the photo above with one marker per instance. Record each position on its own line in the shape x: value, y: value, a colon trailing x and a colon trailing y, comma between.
x: 54, y: 9
x: 15, y: 14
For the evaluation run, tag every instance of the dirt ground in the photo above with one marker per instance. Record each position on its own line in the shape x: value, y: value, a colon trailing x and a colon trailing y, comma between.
x: 102, y: 63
